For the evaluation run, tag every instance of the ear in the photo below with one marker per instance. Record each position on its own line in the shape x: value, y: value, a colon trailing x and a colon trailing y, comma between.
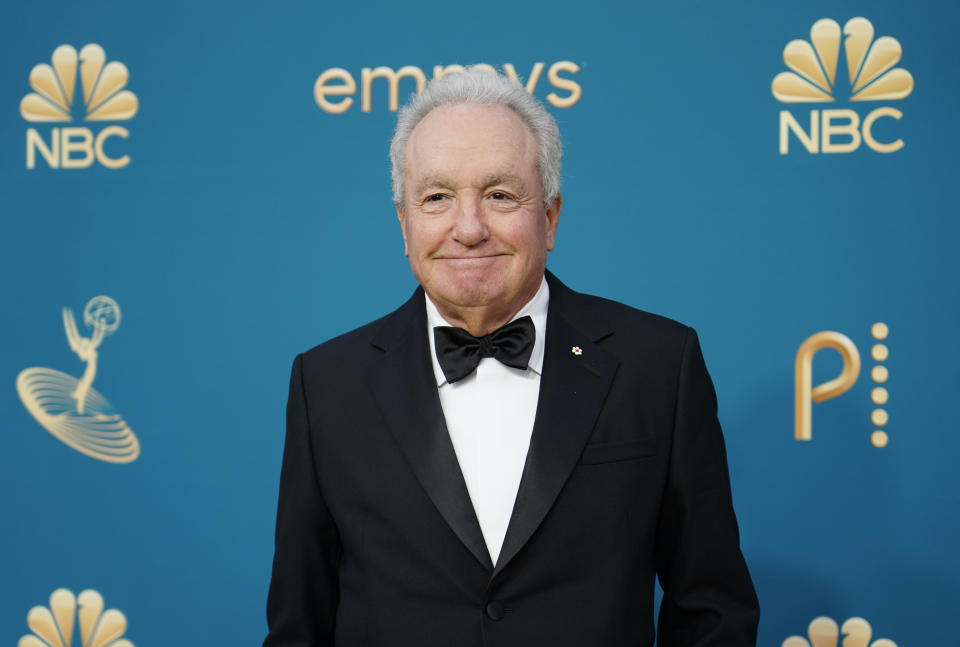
x: 403, y: 227
x: 553, y: 217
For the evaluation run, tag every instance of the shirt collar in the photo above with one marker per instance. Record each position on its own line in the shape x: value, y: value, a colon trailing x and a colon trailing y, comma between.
x: 536, y: 308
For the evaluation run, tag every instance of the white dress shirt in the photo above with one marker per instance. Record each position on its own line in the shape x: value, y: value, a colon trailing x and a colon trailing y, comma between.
x: 489, y: 416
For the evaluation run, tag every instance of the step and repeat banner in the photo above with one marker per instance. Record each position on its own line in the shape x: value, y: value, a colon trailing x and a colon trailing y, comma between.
x: 193, y: 193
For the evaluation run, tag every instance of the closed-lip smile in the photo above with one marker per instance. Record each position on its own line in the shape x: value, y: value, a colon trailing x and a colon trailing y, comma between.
x: 467, y: 258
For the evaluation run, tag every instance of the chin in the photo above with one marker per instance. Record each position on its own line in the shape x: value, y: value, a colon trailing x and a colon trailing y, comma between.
x: 471, y: 293
x: 471, y: 298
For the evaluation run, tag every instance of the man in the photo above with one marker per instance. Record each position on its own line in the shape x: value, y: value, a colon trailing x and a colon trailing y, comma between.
x: 501, y: 461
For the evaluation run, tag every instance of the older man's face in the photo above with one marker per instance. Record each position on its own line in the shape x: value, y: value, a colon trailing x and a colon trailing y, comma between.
x: 474, y: 224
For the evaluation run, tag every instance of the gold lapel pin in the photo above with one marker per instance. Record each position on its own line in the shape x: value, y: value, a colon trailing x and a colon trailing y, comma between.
x: 576, y: 350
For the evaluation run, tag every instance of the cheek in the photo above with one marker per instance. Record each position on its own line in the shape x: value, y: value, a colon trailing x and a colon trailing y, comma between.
x: 529, y: 236
x: 423, y: 237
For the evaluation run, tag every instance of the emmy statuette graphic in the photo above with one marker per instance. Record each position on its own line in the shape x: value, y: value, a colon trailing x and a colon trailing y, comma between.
x: 71, y: 409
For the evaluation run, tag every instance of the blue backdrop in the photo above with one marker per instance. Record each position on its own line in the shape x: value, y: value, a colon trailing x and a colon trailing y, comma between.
x: 251, y: 224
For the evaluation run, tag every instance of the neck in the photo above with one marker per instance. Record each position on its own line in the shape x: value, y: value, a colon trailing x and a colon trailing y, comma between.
x: 477, y: 321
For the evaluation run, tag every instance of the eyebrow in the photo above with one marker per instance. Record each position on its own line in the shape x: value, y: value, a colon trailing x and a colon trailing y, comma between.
x: 433, y: 182
x: 443, y: 182
x: 503, y: 178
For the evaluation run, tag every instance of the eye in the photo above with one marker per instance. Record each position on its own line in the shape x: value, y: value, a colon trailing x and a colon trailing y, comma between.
x: 499, y: 195
x: 435, y: 197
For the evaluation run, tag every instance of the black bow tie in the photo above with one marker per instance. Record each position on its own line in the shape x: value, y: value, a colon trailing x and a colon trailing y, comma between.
x: 459, y: 352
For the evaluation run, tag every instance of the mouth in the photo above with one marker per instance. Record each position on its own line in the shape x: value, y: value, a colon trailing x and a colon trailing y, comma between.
x: 484, y: 257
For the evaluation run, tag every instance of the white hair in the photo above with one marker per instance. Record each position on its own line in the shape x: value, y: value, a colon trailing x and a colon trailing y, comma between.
x: 478, y: 84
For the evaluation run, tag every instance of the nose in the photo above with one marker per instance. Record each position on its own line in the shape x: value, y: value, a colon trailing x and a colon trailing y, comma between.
x: 469, y: 227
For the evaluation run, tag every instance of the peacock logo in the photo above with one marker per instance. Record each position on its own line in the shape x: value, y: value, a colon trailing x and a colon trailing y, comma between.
x: 103, y: 94
x: 824, y: 632
x: 869, y: 63
x: 814, y: 77
x: 53, y: 626
x: 806, y: 394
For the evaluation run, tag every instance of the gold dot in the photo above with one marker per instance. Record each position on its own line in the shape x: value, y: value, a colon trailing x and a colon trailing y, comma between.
x: 879, y: 352
x: 879, y: 417
x: 879, y: 439
x: 879, y: 330
x: 879, y: 374
x: 879, y: 395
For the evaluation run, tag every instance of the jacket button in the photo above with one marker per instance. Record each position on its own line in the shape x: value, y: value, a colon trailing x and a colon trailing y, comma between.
x: 495, y: 611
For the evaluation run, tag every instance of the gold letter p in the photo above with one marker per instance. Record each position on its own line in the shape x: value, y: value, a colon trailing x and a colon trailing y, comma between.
x: 803, y: 391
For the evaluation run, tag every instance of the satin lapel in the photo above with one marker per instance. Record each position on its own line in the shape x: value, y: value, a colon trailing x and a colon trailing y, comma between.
x: 403, y: 385
x: 572, y: 391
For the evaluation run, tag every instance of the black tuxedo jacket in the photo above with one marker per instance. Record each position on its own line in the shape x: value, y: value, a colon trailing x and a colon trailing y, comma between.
x: 377, y: 543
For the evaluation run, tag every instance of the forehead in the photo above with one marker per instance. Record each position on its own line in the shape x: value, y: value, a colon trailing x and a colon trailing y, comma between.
x: 469, y: 138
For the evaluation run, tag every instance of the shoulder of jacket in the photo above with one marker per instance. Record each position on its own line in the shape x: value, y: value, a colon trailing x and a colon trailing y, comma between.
x: 346, y: 346
x: 621, y: 318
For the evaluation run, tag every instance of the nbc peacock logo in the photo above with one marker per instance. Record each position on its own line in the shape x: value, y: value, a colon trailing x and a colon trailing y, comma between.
x: 824, y: 632
x: 814, y: 77
x: 54, y: 626
x: 102, y: 91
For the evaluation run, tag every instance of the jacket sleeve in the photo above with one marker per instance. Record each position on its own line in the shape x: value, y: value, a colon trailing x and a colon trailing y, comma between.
x: 302, y: 603
x: 708, y: 598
